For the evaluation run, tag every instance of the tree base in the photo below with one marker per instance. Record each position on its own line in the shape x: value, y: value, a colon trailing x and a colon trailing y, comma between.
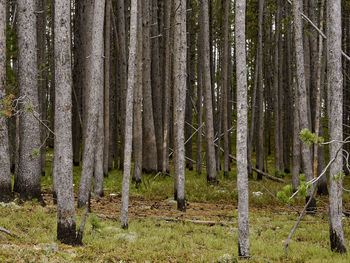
x: 212, y: 181
x: 322, y: 189
x: 337, y: 243
x: 181, y: 205
x: 311, y: 208
x: 66, y: 234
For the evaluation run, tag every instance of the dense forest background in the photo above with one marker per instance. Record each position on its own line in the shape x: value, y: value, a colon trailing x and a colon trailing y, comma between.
x: 253, y: 91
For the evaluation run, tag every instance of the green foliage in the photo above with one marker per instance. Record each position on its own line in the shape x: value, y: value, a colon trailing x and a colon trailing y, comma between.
x: 95, y: 222
x: 309, y: 138
x: 35, y: 152
x: 284, y: 195
x: 29, y: 107
x: 339, y: 177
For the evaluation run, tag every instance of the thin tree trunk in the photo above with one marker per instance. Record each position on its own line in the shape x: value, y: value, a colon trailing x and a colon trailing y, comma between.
x: 260, y: 98
x: 29, y: 169
x: 302, y: 93
x: 5, y: 173
x: 335, y: 96
x: 156, y: 80
x: 150, y: 157
x: 41, y: 32
x: 167, y: 81
x: 132, y: 80
x: 107, y: 87
x: 180, y: 100
x: 63, y: 152
x: 225, y: 85
x: 138, y: 105
x: 207, y: 92
x: 242, y: 131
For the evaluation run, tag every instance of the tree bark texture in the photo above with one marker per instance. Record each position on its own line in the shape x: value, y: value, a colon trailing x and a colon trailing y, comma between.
x: 29, y: 168
x: 63, y: 151
x: 242, y: 131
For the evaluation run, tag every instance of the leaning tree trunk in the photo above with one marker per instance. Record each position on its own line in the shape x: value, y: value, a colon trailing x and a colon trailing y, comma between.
x: 96, y: 84
x: 129, y: 114
x: 28, y: 177
x: 302, y: 93
x: 5, y: 173
x: 242, y: 131
x: 335, y: 97
x: 63, y: 151
x: 207, y: 92
x: 180, y: 73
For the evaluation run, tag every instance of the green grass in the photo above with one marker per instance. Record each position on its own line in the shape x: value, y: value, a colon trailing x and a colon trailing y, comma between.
x: 160, y: 241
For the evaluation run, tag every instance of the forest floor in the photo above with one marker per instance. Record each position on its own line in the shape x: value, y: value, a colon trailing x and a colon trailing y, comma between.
x: 158, y: 232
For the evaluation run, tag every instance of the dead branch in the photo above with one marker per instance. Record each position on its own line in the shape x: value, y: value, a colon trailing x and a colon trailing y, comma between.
x: 5, y: 231
x: 201, y: 222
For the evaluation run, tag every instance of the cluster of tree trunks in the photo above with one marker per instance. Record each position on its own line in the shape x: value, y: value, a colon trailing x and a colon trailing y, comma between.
x: 145, y: 81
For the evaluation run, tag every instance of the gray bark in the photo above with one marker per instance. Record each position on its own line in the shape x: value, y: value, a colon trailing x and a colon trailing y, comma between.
x: 150, y: 157
x: 41, y: 33
x: 5, y: 173
x: 167, y: 81
x: 242, y: 131
x: 180, y: 73
x: 129, y: 114
x: 63, y: 152
x: 335, y: 97
x: 207, y: 91
x: 107, y: 87
x: 302, y: 92
x: 95, y: 86
x: 138, y: 105
x: 28, y: 178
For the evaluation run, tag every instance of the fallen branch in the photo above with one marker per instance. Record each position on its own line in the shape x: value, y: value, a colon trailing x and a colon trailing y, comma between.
x: 268, y: 176
x: 201, y: 222
x: 5, y: 231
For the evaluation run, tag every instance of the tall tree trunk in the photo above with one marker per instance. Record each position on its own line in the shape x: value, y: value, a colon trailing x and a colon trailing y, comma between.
x: 302, y: 93
x: 225, y: 87
x: 156, y: 80
x: 167, y: 81
x: 150, y: 157
x: 260, y: 98
x: 78, y: 77
x: 107, y: 87
x: 335, y: 97
x: 242, y: 131
x: 199, y: 158
x: 95, y: 86
x: 28, y: 178
x: 129, y: 113
x: 180, y: 100
x: 63, y: 154
x: 121, y: 23
x: 41, y: 47
x: 138, y: 104
x: 296, y: 140
x: 276, y: 111
x: 207, y: 92
x: 5, y: 173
